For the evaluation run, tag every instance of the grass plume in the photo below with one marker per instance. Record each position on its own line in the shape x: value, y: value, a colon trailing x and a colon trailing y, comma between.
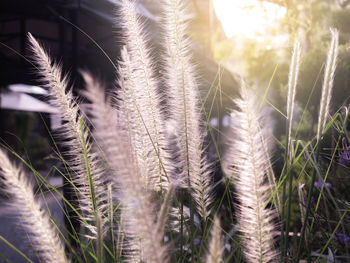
x: 292, y: 85
x: 183, y: 95
x: 249, y: 160
x: 141, y: 96
x: 42, y: 233
x: 138, y: 210
x: 328, y: 82
x: 82, y: 159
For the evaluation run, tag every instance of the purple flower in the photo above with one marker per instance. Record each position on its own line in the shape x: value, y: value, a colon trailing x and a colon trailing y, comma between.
x: 197, y: 242
x: 319, y: 184
x: 341, y: 238
x: 345, y: 155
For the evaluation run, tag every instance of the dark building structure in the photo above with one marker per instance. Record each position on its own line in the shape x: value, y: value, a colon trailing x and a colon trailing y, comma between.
x: 67, y: 27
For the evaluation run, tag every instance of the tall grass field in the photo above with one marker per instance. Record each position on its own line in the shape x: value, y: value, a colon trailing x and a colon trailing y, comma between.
x: 137, y: 161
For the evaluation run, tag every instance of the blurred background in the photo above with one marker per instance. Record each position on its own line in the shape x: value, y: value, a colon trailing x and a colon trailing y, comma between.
x: 66, y: 28
x: 229, y: 39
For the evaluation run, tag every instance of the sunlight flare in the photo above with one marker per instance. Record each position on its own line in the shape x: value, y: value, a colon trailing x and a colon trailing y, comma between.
x: 248, y: 18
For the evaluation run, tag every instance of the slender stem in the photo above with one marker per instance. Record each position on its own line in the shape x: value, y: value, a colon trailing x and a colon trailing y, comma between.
x: 182, y: 223
x: 285, y: 224
x: 308, y: 205
x: 99, y: 243
x: 289, y: 208
x: 192, y: 229
x: 282, y: 215
x: 15, y: 249
x: 92, y: 195
x: 111, y: 218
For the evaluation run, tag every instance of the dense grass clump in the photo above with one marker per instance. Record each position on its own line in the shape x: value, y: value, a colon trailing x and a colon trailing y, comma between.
x: 146, y: 194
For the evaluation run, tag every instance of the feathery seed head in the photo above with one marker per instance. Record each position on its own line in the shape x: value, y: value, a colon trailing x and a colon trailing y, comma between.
x: 292, y: 84
x: 137, y: 207
x: 327, y: 86
x: 183, y: 106
x: 142, y: 104
x: 82, y: 160
x: 42, y: 234
x: 246, y: 153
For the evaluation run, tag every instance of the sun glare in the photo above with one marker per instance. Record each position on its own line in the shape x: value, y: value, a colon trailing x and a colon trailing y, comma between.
x: 249, y: 18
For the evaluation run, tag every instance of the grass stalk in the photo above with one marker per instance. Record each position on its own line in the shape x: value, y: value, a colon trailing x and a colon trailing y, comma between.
x: 214, y: 254
x: 292, y: 84
x: 111, y: 218
x: 88, y: 173
x: 16, y: 249
x: 99, y: 242
x: 323, y: 113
